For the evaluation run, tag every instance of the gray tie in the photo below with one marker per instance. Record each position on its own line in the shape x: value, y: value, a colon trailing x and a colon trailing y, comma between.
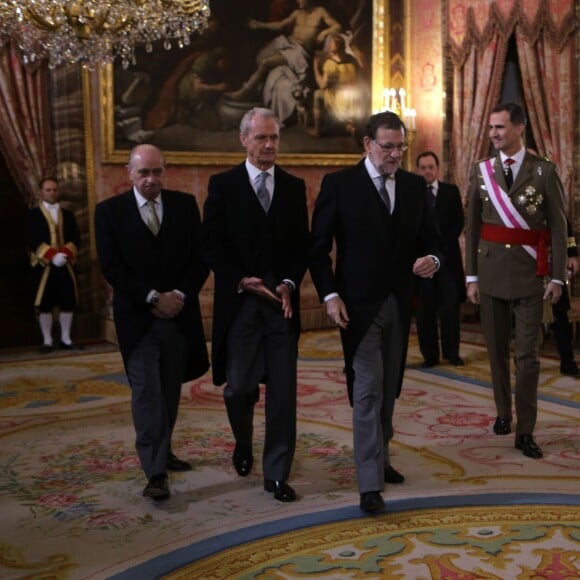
x: 152, y: 218
x: 384, y: 193
x: 262, y: 192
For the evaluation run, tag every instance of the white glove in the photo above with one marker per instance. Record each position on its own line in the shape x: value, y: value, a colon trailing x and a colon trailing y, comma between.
x: 59, y: 260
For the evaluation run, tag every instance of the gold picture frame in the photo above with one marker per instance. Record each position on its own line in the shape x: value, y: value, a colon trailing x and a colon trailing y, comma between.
x: 131, y: 115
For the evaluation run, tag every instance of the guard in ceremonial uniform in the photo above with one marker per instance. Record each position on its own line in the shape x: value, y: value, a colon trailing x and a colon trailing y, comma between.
x: 515, y: 221
x: 53, y: 240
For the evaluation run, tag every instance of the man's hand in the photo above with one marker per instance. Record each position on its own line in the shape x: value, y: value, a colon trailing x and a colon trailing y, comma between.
x: 336, y: 311
x: 424, y: 267
x: 284, y: 292
x: 473, y: 292
x: 573, y: 265
x: 169, y: 305
x: 256, y: 286
x: 553, y: 292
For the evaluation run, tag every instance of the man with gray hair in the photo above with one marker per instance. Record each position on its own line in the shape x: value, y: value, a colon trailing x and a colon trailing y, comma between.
x: 255, y: 238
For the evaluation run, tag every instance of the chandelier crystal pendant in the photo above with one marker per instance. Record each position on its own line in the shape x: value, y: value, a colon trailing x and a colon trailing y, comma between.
x: 96, y: 32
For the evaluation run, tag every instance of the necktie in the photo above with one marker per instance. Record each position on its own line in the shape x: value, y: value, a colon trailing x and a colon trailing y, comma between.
x: 432, y: 197
x: 262, y: 192
x: 152, y: 218
x: 384, y: 193
x: 509, y: 176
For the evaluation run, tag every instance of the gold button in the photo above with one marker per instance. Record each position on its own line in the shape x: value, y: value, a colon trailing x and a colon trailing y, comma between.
x: 508, y: 246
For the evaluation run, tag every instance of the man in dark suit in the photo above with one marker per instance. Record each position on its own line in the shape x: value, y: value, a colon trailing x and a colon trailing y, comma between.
x: 562, y: 327
x: 148, y: 246
x: 440, y: 297
x: 379, y: 217
x: 515, y: 216
x: 255, y: 239
x: 53, y: 239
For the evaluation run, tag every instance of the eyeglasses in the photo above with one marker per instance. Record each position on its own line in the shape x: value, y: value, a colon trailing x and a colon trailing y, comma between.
x: 390, y: 147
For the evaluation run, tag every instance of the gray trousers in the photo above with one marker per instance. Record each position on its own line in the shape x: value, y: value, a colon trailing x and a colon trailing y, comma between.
x: 263, y: 348
x: 377, y: 366
x: 155, y: 370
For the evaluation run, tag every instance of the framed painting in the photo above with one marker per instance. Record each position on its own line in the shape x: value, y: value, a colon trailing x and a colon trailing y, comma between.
x: 311, y: 61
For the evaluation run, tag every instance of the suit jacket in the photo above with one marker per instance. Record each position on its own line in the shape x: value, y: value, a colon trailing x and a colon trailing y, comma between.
x: 239, y: 239
x: 374, y: 253
x: 134, y: 262
x: 449, y: 210
x: 508, y: 271
x: 44, y: 241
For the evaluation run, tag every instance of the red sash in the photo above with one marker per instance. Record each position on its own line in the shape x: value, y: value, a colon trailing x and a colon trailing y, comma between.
x: 538, y: 238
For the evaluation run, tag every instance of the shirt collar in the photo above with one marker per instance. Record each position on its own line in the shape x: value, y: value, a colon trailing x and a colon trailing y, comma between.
x: 51, y: 206
x: 517, y: 157
x: 141, y: 201
x: 254, y: 172
x: 372, y: 170
x: 434, y: 186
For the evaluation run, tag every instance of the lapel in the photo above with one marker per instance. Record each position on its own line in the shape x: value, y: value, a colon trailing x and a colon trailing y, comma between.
x: 133, y: 215
x: 524, y: 174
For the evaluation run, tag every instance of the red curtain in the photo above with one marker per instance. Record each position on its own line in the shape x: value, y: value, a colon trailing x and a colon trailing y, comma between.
x: 478, y: 35
x: 25, y: 121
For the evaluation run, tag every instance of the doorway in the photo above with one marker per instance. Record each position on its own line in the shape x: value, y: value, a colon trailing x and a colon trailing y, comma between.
x: 18, y: 327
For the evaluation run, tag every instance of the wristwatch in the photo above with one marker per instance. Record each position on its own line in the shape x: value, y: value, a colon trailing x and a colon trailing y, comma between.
x: 154, y: 298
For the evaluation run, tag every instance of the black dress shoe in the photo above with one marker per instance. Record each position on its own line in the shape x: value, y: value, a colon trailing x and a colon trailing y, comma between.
x: 502, y: 426
x: 371, y: 502
x: 242, y: 462
x: 282, y: 491
x: 527, y: 445
x: 45, y: 349
x: 569, y: 370
x: 456, y: 360
x: 176, y: 464
x: 427, y: 364
x: 393, y: 476
x: 70, y: 346
x: 157, y: 488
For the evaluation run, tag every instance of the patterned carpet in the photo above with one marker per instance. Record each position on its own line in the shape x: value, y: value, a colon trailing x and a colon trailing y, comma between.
x: 472, y: 506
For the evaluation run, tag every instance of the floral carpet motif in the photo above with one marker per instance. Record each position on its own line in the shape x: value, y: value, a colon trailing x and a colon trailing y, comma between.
x: 454, y: 543
x: 70, y: 482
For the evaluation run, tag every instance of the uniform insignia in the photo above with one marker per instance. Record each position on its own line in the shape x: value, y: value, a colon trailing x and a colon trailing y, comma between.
x: 530, y: 199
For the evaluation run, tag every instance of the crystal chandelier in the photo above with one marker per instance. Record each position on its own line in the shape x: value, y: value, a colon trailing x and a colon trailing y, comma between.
x: 97, y: 31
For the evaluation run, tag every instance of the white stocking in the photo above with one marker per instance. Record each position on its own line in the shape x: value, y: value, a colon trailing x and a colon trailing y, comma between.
x: 65, y: 319
x: 45, y: 321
